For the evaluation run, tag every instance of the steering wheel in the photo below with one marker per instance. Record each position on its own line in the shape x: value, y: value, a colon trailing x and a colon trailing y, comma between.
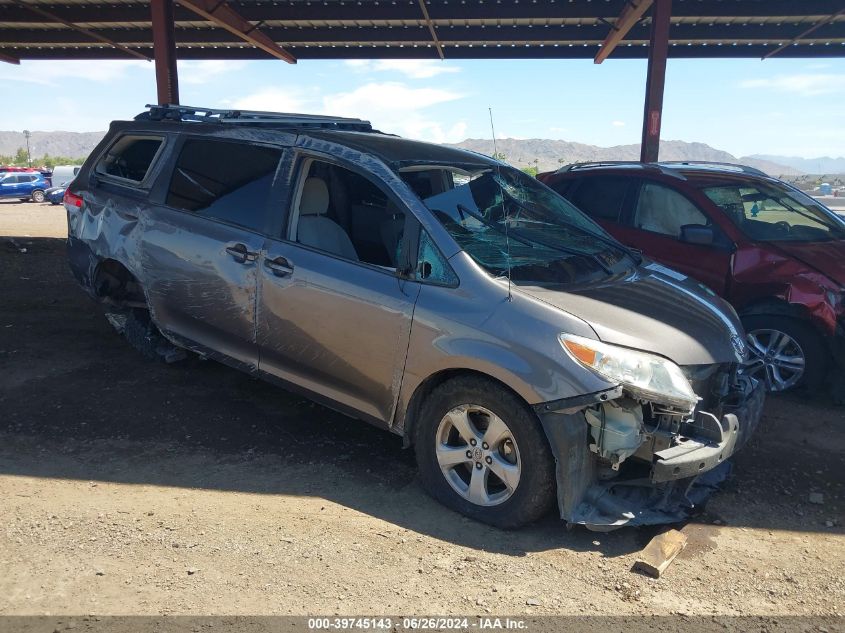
x: 784, y: 226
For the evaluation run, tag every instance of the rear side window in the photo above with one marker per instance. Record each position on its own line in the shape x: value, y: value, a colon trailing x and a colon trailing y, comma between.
x: 224, y: 180
x: 130, y: 157
x: 600, y: 196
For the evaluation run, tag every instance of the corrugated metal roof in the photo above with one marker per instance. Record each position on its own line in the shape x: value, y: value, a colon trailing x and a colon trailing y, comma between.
x: 397, y: 28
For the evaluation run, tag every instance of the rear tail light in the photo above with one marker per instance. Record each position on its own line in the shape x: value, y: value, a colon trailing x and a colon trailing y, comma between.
x: 71, y: 199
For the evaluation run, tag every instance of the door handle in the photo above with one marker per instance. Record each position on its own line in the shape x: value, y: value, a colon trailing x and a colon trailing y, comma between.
x: 240, y: 253
x: 280, y: 266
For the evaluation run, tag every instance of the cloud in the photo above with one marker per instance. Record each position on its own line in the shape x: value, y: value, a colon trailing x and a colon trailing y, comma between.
x: 397, y: 107
x: 618, y: 123
x: 53, y: 73
x: 411, y: 68
x: 392, y: 107
x: 809, y: 84
x: 273, y: 100
x: 206, y: 71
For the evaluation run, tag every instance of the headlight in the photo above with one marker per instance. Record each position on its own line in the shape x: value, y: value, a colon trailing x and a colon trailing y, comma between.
x: 644, y: 375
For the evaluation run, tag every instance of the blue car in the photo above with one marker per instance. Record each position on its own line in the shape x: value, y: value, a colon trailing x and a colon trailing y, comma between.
x: 56, y: 194
x: 24, y: 185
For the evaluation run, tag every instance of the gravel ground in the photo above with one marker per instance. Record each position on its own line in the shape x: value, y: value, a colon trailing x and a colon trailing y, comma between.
x: 131, y: 487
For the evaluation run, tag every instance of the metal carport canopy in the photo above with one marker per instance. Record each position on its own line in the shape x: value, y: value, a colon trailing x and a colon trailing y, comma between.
x: 423, y: 29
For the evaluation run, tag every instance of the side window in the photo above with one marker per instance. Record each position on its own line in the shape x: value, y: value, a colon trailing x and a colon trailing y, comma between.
x: 346, y: 214
x: 600, y: 196
x: 130, y: 157
x: 432, y: 267
x: 664, y: 210
x: 224, y: 180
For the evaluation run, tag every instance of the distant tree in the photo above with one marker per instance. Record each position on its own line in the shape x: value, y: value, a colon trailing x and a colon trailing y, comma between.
x: 20, y: 157
x: 531, y: 171
x: 499, y: 156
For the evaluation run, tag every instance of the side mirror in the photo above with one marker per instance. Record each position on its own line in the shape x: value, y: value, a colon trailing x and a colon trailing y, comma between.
x: 697, y: 234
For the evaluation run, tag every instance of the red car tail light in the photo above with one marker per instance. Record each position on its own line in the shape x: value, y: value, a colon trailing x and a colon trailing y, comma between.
x: 72, y: 199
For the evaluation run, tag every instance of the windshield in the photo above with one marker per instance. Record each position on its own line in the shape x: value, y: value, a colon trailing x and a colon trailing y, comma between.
x: 506, y: 220
x: 769, y: 212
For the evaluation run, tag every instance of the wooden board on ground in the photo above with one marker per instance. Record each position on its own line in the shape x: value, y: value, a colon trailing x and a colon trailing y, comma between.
x: 660, y: 552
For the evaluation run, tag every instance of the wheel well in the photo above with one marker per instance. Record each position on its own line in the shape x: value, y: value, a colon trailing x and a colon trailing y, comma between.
x: 113, y: 283
x: 430, y: 384
x: 775, y: 306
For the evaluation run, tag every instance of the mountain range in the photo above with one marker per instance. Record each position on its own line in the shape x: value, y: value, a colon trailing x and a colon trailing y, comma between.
x: 544, y: 154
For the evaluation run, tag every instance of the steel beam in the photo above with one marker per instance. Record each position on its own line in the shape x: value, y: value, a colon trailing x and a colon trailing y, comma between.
x: 9, y: 59
x: 562, y: 34
x: 805, y: 33
x: 655, y: 80
x: 630, y: 16
x: 788, y: 10
x: 799, y: 51
x: 431, y: 29
x: 164, y: 51
x: 55, y: 18
x: 222, y: 14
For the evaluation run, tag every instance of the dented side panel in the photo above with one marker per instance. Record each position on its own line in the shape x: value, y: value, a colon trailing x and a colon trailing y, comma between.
x: 765, y: 274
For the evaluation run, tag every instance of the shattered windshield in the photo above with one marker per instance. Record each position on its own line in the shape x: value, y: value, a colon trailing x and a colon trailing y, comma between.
x: 506, y: 220
x: 768, y: 212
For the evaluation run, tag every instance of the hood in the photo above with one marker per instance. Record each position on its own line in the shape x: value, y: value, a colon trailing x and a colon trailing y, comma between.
x: 826, y: 257
x: 656, y: 310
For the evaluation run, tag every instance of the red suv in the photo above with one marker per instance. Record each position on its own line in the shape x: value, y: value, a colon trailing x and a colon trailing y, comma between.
x: 776, y: 254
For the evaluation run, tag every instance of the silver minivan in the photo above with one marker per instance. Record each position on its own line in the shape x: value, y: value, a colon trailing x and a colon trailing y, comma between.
x: 528, y: 357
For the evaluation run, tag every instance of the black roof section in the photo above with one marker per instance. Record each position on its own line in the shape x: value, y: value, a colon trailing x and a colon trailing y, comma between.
x: 399, y: 151
x: 356, y: 134
x: 461, y: 29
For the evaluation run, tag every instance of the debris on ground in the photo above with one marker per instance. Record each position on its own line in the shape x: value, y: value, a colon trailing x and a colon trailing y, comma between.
x: 660, y: 552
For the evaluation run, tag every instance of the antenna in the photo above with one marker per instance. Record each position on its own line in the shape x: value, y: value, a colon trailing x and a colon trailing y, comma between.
x: 504, y: 208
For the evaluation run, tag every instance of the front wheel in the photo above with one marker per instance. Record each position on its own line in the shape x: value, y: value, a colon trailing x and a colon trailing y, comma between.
x: 785, y: 353
x: 482, y: 452
x: 38, y: 196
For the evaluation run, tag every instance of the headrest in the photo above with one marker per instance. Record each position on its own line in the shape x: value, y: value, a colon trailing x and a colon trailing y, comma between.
x: 315, y: 197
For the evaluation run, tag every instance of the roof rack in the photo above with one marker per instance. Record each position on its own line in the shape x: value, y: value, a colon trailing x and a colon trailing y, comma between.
x: 745, y: 169
x: 620, y: 163
x: 174, y: 112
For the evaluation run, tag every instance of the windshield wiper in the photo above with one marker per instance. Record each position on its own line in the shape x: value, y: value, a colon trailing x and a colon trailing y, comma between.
x: 524, y: 239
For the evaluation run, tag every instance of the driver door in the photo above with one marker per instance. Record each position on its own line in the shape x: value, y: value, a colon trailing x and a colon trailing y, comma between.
x: 655, y: 228
x: 334, y: 316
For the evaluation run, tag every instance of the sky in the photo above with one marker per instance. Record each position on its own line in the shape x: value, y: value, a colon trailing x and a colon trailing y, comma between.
x: 778, y: 106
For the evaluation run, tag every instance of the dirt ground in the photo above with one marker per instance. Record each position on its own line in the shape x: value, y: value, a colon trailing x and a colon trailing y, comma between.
x: 131, y: 487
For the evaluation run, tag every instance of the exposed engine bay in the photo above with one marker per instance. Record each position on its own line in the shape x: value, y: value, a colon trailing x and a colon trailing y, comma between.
x: 628, y: 461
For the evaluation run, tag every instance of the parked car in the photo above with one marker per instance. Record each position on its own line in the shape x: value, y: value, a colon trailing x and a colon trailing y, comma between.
x: 526, y: 355
x: 776, y: 254
x: 23, y: 185
x: 64, y: 173
x: 56, y: 194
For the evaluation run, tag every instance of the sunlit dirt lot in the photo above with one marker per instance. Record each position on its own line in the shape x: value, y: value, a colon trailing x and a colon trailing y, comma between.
x: 134, y: 487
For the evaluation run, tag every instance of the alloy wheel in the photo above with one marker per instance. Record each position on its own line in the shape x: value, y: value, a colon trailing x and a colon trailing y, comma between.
x: 776, y: 358
x: 478, y: 455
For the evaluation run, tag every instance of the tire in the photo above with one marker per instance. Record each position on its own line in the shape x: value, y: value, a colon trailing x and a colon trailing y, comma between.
x: 142, y: 334
x: 520, y: 450
x: 767, y: 331
x: 38, y: 195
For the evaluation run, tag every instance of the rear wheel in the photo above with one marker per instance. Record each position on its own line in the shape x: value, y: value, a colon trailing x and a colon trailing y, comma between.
x: 483, y: 453
x: 38, y: 195
x: 785, y: 353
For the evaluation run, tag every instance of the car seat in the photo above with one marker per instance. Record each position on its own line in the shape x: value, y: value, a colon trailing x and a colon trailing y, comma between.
x: 314, y: 228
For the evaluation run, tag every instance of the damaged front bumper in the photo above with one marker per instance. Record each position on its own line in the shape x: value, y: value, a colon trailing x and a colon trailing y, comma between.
x: 625, y: 462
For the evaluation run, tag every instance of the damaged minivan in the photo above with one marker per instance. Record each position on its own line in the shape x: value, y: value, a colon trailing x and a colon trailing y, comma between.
x: 528, y: 357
